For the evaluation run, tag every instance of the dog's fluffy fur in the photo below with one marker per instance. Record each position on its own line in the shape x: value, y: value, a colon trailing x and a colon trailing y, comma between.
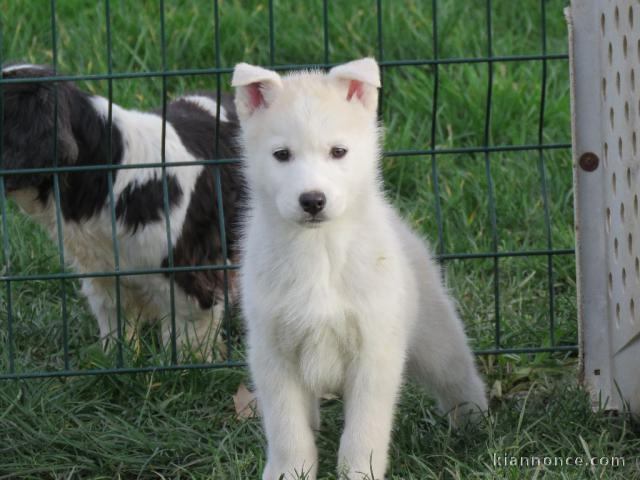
x: 83, y: 139
x: 338, y: 293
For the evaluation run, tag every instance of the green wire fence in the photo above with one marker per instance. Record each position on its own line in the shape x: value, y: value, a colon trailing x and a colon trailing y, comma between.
x: 433, y: 60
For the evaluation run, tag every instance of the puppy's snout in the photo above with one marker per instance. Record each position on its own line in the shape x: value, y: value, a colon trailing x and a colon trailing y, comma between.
x: 313, y: 202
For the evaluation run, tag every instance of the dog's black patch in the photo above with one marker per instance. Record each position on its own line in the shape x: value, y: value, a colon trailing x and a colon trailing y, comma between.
x: 200, y: 242
x: 138, y: 205
x: 196, y: 127
x: 31, y: 140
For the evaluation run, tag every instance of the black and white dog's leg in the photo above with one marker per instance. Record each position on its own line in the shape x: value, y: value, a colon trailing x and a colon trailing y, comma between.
x: 196, y: 330
x: 100, y: 293
x: 203, y: 334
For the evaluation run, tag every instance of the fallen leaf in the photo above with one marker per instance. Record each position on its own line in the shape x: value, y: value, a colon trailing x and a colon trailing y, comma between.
x: 245, y: 403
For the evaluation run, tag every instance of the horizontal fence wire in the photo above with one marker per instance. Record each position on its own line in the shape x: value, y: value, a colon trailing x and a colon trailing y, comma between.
x: 237, y: 364
x: 226, y: 161
x: 10, y: 277
x: 280, y: 68
x: 200, y: 268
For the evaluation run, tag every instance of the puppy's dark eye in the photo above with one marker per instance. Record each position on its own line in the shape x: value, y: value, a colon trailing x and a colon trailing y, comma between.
x: 338, y: 152
x: 282, y: 155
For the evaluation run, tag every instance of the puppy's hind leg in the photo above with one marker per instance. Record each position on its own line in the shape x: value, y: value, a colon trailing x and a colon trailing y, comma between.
x: 440, y: 358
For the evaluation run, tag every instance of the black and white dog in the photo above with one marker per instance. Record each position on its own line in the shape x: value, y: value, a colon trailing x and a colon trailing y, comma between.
x: 136, y: 138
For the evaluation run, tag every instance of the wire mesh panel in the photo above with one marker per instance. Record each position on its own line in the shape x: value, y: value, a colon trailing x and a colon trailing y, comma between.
x: 475, y: 161
x: 605, y: 41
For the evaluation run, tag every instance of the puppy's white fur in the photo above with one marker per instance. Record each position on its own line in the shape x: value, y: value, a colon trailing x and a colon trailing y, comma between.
x: 343, y: 304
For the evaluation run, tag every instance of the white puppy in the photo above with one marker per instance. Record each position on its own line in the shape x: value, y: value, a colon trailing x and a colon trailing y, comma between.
x: 337, y: 291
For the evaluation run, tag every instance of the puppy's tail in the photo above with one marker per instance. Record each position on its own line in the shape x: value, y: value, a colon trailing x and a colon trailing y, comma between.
x: 439, y: 355
x: 441, y: 361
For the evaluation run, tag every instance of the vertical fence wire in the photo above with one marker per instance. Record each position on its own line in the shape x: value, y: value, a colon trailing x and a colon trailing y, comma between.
x: 56, y: 189
x: 112, y: 203
x: 434, y: 119
x: 380, y: 55
x: 6, y: 261
x: 218, y: 183
x: 543, y: 174
x: 490, y: 188
x: 6, y: 251
x: 325, y: 30
x: 272, y: 37
x: 165, y: 187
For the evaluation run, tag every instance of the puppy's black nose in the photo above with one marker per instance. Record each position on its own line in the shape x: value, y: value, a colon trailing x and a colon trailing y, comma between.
x: 312, y: 202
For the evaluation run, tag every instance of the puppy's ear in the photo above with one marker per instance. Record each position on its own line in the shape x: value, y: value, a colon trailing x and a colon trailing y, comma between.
x: 256, y: 88
x: 361, y: 79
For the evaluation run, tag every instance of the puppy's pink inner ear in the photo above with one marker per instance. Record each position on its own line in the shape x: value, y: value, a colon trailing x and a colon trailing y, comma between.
x: 355, y: 88
x: 256, y: 99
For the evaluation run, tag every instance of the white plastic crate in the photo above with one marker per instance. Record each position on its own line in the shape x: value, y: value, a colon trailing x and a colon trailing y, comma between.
x: 604, y: 37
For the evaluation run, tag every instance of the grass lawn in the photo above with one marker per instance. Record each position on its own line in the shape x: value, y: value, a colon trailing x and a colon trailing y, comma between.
x: 182, y: 424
